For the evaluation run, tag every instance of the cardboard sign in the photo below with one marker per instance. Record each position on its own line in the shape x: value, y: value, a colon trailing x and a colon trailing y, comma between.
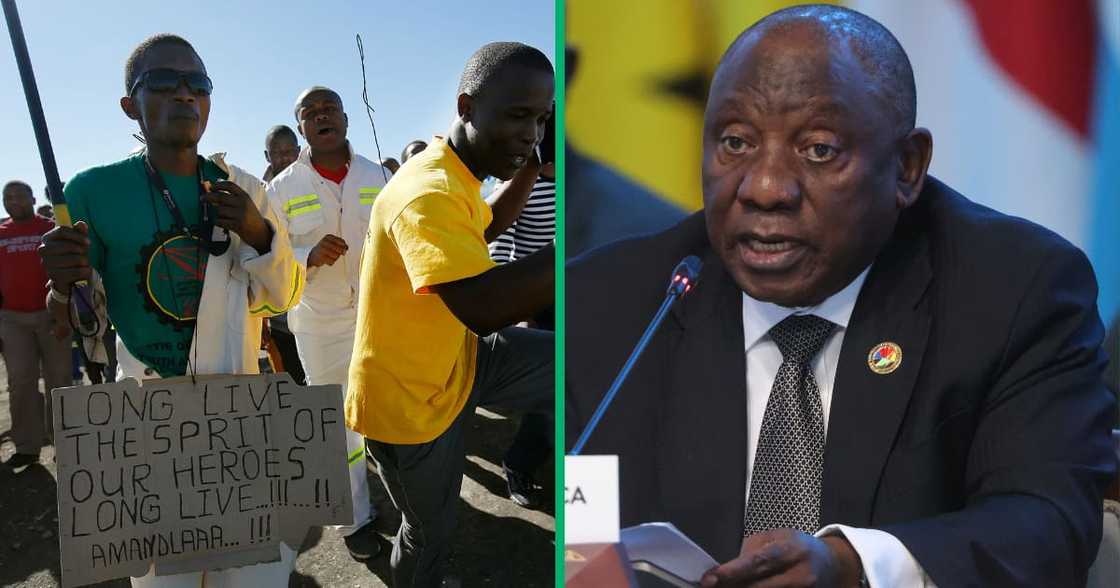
x: 590, y: 499
x: 193, y: 475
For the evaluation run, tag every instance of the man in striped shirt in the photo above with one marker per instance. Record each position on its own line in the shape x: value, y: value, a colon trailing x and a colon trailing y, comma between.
x: 533, y: 229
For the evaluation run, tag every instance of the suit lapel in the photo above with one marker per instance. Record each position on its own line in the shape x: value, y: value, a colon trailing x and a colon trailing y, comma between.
x: 703, y: 430
x: 868, y: 408
x: 702, y: 426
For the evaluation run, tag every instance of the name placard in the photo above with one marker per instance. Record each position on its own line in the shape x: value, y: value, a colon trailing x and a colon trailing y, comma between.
x: 590, y: 499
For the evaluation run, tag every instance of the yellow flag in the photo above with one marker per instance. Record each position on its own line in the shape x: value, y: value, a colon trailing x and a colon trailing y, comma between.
x: 636, y: 101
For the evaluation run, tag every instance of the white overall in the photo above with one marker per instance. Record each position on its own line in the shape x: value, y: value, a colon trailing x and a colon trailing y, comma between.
x: 311, y: 207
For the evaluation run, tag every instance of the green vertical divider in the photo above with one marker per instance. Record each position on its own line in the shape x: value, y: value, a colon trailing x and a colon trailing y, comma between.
x: 560, y: 306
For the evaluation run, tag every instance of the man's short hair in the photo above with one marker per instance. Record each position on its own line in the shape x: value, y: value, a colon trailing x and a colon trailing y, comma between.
x: 492, y: 58
x: 132, y: 65
x: 312, y: 90
x: 280, y: 131
x: 26, y: 187
x: 405, y: 152
x: 879, y: 52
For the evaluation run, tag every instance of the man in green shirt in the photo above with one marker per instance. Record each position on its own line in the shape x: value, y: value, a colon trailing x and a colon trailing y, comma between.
x: 152, y: 269
x: 186, y: 249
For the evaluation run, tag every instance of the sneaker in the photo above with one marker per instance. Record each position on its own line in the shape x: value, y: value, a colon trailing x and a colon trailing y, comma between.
x: 21, y: 461
x: 363, y: 544
x: 522, y: 489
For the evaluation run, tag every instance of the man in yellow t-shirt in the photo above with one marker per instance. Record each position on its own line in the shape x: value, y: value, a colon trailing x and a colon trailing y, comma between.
x: 432, y: 340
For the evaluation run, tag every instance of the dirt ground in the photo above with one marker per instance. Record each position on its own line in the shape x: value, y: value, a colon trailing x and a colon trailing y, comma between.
x: 498, y: 543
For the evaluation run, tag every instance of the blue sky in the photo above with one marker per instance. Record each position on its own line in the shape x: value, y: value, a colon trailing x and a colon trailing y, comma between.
x: 260, y: 55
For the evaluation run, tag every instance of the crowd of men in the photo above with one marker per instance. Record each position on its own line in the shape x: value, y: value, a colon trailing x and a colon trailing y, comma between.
x: 396, y: 281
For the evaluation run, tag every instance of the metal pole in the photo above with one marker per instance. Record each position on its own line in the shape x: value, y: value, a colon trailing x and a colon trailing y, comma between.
x: 35, y: 107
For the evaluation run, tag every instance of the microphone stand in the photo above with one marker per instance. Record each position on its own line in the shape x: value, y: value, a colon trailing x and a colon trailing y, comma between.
x: 684, y: 277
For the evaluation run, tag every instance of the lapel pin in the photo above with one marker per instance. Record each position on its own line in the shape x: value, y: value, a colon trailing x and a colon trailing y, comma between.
x: 884, y: 358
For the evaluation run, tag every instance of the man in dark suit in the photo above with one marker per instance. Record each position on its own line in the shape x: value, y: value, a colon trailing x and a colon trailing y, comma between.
x: 875, y: 379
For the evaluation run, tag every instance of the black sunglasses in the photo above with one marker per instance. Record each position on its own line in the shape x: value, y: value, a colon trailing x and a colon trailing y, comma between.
x: 167, y: 80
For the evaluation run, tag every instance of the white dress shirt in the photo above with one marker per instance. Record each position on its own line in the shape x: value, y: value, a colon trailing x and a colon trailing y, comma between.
x: 886, y: 561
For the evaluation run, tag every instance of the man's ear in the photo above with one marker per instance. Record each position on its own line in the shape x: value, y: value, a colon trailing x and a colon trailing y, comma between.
x: 915, y: 153
x: 266, y: 156
x: 130, y: 107
x: 466, y: 106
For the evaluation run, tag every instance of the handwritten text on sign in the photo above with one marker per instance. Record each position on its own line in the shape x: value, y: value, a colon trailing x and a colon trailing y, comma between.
x: 185, y: 474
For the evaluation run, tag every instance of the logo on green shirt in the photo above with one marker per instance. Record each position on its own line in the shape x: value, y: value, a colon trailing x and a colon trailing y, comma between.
x: 172, y: 271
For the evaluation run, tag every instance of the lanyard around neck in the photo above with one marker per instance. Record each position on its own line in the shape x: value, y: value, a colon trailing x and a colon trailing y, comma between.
x: 165, y: 193
x: 207, y: 225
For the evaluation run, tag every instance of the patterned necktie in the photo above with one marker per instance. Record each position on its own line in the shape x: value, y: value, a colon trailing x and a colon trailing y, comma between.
x: 785, y: 490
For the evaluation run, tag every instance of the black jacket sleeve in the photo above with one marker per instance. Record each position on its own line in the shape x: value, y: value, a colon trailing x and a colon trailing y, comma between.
x: 1041, y: 455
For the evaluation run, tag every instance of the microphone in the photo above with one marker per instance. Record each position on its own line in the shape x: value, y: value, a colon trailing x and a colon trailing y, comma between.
x: 684, y: 278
